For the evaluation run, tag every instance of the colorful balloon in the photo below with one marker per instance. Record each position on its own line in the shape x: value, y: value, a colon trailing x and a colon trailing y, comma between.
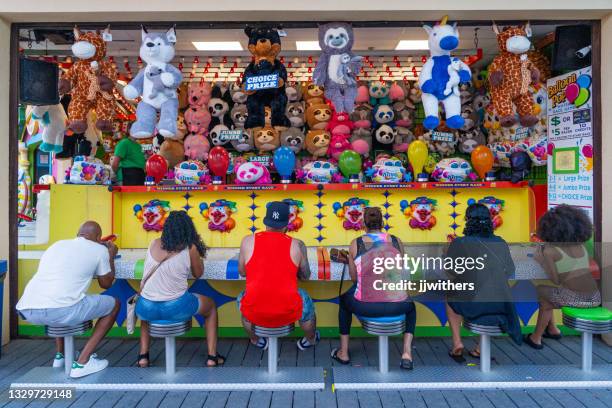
x: 349, y: 163
x: 584, y: 81
x: 583, y: 97
x: 284, y: 161
x: 156, y: 167
x: 571, y: 92
x: 417, y: 155
x: 587, y: 150
x: 218, y: 161
x: 482, y: 160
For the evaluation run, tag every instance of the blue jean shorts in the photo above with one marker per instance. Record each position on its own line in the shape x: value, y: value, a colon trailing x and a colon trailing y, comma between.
x: 308, y: 310
x: 89, y: 308
x: 176, y: 310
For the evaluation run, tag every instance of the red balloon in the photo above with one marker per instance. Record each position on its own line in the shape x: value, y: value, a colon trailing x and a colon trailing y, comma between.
x: 218, y: 161
x: 156, y: 167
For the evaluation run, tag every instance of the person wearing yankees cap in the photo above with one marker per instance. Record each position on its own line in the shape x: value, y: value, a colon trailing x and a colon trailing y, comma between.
x: 272, y: 263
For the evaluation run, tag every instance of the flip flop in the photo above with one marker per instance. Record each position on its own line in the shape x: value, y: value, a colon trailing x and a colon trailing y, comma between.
x: 215, y: 359
x: 474, y: 353
x: 334, y: 356
x: 527, y: 339
x: 549, y: 335
x: 406, y: 364
x: 458, y: 358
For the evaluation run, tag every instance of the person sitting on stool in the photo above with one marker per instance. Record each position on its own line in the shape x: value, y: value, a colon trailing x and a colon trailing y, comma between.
x: 363, y: 298
x: 56, y: 294
x: 272, y: 262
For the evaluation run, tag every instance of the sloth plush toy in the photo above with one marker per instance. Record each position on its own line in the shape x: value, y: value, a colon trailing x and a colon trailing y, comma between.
x: 265, y: 45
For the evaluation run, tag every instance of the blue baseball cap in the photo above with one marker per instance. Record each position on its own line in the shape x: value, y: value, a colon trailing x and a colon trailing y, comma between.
x: 277, y: 215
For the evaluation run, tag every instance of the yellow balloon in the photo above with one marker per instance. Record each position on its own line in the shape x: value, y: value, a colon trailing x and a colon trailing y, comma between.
x: 417, y: 155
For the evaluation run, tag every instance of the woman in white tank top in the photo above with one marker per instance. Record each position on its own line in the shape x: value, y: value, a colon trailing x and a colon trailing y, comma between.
x: 171, y: 260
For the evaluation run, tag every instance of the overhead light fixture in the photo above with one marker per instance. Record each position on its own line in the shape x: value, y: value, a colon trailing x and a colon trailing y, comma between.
x: 307, y: 46
x: 217, y: 45
x: 404, y: 45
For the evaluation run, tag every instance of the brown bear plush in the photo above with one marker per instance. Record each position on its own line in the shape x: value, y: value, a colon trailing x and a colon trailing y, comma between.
x: 317, y: 142
x: 318, y: 115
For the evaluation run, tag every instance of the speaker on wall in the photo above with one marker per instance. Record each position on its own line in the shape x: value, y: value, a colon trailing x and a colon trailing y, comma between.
x: 38, y: 82
x: 572, y: 49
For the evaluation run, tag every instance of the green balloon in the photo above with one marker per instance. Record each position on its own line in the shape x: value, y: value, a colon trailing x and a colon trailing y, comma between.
x: 583, y: 97
x: 349, y: 163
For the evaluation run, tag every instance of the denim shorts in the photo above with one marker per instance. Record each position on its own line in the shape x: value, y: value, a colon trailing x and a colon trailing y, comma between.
x: 308, y: 310
x: 176, y: 310
x: 89, y: 308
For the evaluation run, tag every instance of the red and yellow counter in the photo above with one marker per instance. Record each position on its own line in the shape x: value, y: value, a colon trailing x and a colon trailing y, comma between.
x: 324, y: 217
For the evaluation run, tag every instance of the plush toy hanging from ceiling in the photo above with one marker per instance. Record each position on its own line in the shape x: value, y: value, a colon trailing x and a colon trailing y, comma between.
x: 337, y: 66
x: 441, y: 75
x: 90, y: 80
x: 510, y: 75
x: 157, y: 84
x: 264, y: 78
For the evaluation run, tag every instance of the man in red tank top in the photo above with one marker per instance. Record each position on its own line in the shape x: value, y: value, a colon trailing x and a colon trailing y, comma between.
x: 272, y: 262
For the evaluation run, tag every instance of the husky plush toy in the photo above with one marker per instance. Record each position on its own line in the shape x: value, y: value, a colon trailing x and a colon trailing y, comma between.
x: 157, y: 84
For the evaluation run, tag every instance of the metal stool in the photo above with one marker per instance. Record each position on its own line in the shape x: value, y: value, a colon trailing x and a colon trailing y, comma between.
x: 169, y: 330
x: 485, y: 342
x: 383, y: 327
x: 68, y: 333
x: 273, y: 333
x: 589, y: 321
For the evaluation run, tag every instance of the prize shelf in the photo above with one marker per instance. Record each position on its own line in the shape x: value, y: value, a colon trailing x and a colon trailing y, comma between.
x: 300, y: 187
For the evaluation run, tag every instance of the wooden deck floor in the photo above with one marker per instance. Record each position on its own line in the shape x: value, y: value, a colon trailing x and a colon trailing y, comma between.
x: 22, y: 355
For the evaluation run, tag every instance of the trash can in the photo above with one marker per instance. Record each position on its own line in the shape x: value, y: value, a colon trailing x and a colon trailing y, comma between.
x: 3, y: 269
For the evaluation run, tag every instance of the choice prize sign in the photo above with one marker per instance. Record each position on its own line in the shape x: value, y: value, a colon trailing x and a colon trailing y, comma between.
x: 255, y: 83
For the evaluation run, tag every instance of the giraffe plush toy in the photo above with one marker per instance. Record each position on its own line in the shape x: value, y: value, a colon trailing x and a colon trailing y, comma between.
x: 510, y: 75
x: 90, y: 80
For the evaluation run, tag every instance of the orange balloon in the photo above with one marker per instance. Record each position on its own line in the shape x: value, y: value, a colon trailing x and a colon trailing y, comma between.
x: 482, y: 160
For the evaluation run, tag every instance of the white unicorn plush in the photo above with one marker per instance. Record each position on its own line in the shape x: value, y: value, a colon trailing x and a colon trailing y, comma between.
x: 441, y: 75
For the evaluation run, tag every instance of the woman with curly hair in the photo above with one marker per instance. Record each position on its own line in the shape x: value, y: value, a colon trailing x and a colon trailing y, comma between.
x: 564, y: 230
x: 170, y: 261
x: 480, y: 259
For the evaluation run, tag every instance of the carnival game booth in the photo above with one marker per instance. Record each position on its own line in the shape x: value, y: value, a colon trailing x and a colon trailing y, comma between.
x: 420, y: 134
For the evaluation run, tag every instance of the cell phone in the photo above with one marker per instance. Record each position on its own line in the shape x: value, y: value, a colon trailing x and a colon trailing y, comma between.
x: 109, y: 238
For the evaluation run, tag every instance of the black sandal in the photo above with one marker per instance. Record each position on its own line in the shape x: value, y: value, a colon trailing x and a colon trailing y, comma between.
x: 531, y: 343
x: 334, y: 356
x: 548, y: 335
x: 144, y: 356
x: 457, y: 355
x: 215, y: 359
x: 406, y: 364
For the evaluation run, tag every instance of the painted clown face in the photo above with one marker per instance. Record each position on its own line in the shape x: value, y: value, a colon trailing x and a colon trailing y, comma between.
x: 153, y: 217
x: 354, y: 213
x: 218, y: 214
x: 422, y: 212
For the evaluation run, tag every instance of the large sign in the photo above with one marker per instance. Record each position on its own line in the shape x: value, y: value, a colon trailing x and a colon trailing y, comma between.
x: 570, y: 140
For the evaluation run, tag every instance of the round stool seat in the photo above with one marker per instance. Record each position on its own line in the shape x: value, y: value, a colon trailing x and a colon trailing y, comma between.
x: 596, y: 320
x: 165, y: 328
x: 281, y: 331
x: 63, y: 331
x: 482, y: 329
x: 384, y: 325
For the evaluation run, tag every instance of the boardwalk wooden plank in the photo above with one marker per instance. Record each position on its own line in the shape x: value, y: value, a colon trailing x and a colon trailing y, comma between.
x: 434, y: 399
x: 253, y: 356
x: 521, y: 398
x: 565, y: 399
x: 477, y: 399
x: 303, y: 399
x: 217, y: 399
x: 195, y: 399
x: 588, y: 399
x: 602, y: 395
x: 499, y: 399
x: 109, y: 399
x: 238, y: 399
x: 152, y: 399
x: 131, y: 399
x: 456, y: 399
x: 87, y: 400
x: 173, y: 399
x: 260, y: 399
x: 288, y: 353
x: 325, y: 399
x: 390, y: 399
x: 412, y: 399
x: 347, y: 399
x: 369, y: 399
x: 281, y: 399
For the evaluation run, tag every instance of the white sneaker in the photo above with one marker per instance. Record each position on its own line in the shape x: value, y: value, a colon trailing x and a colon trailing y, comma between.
x: 58, y: 361
x: 93, y: 366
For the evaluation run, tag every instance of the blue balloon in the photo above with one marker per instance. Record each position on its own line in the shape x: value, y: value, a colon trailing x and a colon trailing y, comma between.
x: 584, y: 81
x: 284, y: 161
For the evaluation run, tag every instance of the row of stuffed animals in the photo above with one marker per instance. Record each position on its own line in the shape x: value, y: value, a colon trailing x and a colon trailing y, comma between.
x: 333, y: 113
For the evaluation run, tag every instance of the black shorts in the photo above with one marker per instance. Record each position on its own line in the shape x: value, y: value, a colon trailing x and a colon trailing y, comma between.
x: 133, y: 176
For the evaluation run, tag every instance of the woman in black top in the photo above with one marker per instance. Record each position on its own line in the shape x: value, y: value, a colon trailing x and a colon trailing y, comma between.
x: 490, y: 301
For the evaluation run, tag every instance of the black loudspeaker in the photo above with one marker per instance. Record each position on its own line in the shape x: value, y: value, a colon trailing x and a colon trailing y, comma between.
x: 38, y: 82
x: 572, y: 48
